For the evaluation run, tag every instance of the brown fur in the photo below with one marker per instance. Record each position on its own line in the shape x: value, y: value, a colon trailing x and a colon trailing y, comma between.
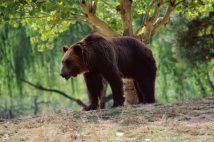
x: 77, y: 62
x: 111, y: 58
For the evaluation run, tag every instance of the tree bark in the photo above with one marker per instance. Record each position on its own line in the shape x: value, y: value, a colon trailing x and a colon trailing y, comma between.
x: 89, y: 10
x: 35, y: 105
x: 125, y: 9
x: 126, y: 16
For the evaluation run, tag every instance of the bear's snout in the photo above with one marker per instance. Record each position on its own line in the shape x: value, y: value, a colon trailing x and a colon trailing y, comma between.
x: 65, y: 76
x: 62, y: 74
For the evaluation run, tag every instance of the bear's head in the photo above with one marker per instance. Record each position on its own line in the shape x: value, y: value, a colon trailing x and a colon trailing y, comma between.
x: 73, y: 61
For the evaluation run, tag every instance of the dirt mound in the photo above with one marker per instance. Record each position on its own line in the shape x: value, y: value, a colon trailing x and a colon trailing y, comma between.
x: 189, y: 121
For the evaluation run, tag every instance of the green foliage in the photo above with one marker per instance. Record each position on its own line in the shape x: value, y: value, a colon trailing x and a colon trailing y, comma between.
x: 196, y: 43
x: 21, y: 60
x: 192, y: 9
x: 48, y: 19
x: 184, y: 72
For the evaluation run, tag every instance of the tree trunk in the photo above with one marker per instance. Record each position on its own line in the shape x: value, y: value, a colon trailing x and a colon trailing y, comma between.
x: 125, y: 9
x: 130, y: 92
x: 35, y: 103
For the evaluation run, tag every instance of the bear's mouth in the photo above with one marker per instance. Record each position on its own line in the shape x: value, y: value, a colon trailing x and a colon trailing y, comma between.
x: 70, y: 75
x: 73, y: 75
x: 67, y: 77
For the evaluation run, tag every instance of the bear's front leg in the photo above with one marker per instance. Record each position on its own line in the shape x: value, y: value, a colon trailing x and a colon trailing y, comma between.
x: 113, y: 77
x: 94, y: 85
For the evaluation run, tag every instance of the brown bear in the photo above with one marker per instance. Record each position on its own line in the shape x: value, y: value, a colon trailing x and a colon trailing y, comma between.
x: 111, y: 58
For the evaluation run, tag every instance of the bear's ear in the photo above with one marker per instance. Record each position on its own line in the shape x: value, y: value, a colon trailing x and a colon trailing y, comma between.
x: 78, y: 49
x: 65, y: 48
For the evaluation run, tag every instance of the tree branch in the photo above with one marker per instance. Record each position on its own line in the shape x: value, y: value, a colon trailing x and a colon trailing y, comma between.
x: 89, y: 11
x: 37, y: 17
x: 146, y: 18
x: 152, y: 24
x: 149, y: 21
x: 105, y: 2
x: 79, y: 102
x: 162, y: 21
x: 126, y: 16
x: 179, y: 2
x: 157, y: 11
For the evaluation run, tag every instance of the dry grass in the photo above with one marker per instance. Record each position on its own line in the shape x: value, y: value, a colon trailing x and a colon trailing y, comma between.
x: 189, y: 122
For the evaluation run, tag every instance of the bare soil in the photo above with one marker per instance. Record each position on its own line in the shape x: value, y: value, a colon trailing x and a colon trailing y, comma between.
x: 178, y: 122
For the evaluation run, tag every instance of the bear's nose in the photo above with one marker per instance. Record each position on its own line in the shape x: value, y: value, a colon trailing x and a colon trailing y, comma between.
x: 62, y: 74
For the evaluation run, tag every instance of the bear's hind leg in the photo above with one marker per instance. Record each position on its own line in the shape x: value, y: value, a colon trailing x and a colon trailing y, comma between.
x: 145, y: 90
x: 148, y: 88
x: 139, y: 91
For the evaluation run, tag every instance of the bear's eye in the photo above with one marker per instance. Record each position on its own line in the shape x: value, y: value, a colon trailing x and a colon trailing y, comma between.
x: 68, y: 62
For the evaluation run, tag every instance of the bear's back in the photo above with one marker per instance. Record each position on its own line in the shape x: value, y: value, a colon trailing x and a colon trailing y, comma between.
x: 92, y: 38
x: 129, y: 46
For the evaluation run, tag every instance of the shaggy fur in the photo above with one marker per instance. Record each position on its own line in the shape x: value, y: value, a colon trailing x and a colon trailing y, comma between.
x: 112, y: 58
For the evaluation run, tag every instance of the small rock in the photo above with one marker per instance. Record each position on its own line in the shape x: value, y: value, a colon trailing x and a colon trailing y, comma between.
x: 148, y: 140
x: 119, y: 134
